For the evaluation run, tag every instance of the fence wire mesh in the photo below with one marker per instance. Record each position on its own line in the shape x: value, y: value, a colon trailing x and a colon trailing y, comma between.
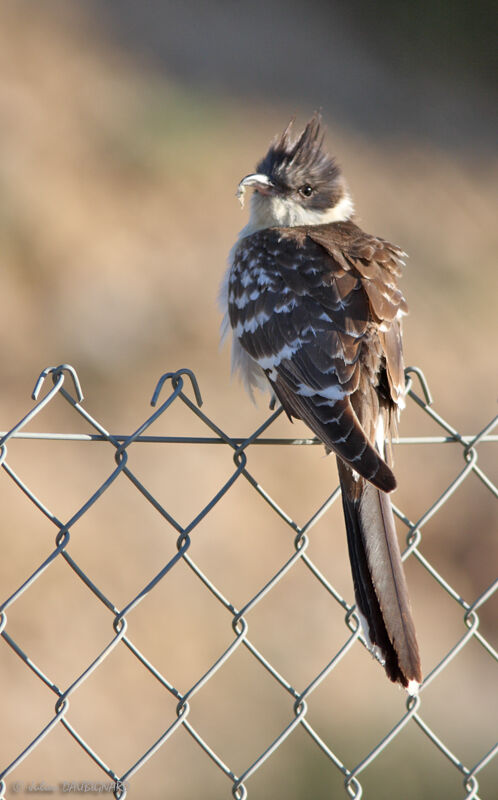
x: 181, y: 387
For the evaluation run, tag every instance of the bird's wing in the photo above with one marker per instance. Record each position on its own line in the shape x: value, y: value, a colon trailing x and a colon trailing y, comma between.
x: 380, y: 587
x: 302, y: 307
x: 379, y: 264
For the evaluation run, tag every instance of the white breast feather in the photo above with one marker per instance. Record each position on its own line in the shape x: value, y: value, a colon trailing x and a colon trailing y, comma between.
x: 249, y: 371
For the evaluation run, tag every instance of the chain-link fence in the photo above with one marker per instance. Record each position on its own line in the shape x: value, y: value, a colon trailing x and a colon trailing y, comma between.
x: 172, y: 389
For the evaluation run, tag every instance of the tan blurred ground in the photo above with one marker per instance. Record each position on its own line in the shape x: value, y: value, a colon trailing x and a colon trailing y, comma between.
x: 117, y: 211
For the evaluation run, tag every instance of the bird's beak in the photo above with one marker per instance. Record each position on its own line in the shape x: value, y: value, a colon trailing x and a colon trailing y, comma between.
x: 258, y: 181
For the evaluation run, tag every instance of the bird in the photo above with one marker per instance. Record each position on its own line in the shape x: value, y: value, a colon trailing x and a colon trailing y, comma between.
x: 314, y: 308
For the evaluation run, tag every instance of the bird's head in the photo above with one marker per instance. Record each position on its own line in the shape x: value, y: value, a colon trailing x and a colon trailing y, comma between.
x: 297, y: 183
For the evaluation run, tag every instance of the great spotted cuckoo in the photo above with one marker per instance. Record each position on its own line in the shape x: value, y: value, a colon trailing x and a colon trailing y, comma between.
x: 315, y: 311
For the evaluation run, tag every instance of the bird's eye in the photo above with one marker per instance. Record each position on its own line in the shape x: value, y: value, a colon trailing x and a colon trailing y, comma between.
x: 306, y: 190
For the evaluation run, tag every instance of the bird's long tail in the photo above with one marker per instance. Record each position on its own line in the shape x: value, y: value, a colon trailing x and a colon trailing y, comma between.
x: 379, y: 581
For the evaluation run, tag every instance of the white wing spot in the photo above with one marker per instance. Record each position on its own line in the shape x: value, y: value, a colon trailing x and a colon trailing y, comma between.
x: 241, y: 301
x: 287, y: 351
x: 262, y: 277
x: 333, y: 392
x: 252, y: 324
x: 286, y: 307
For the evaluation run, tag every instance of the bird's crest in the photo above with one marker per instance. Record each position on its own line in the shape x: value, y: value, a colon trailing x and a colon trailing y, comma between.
x: 303, y: 157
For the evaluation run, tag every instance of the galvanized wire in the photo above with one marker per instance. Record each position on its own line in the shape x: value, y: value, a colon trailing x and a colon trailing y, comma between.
x: 175, y: 387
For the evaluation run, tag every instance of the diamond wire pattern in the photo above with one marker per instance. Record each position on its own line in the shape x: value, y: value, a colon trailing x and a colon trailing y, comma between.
x: 175, y: 383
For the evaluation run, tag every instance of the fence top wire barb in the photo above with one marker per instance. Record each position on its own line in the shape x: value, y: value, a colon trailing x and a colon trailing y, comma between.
x: 176, y: 386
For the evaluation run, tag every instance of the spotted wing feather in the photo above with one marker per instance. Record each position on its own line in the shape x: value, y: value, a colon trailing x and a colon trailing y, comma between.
x: 318, y: 310
x: 301, y: 308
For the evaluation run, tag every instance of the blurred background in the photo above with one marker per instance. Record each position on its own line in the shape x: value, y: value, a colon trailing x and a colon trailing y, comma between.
x: 124, y: 129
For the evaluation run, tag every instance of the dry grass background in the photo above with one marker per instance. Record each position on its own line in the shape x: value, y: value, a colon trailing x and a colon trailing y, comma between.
x: 117, y: 210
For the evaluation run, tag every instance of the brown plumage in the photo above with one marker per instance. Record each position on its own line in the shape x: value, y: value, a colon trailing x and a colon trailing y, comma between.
x: 317, y: 307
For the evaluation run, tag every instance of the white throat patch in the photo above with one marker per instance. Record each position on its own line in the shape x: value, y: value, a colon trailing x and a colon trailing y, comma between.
x: 278, y: 212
